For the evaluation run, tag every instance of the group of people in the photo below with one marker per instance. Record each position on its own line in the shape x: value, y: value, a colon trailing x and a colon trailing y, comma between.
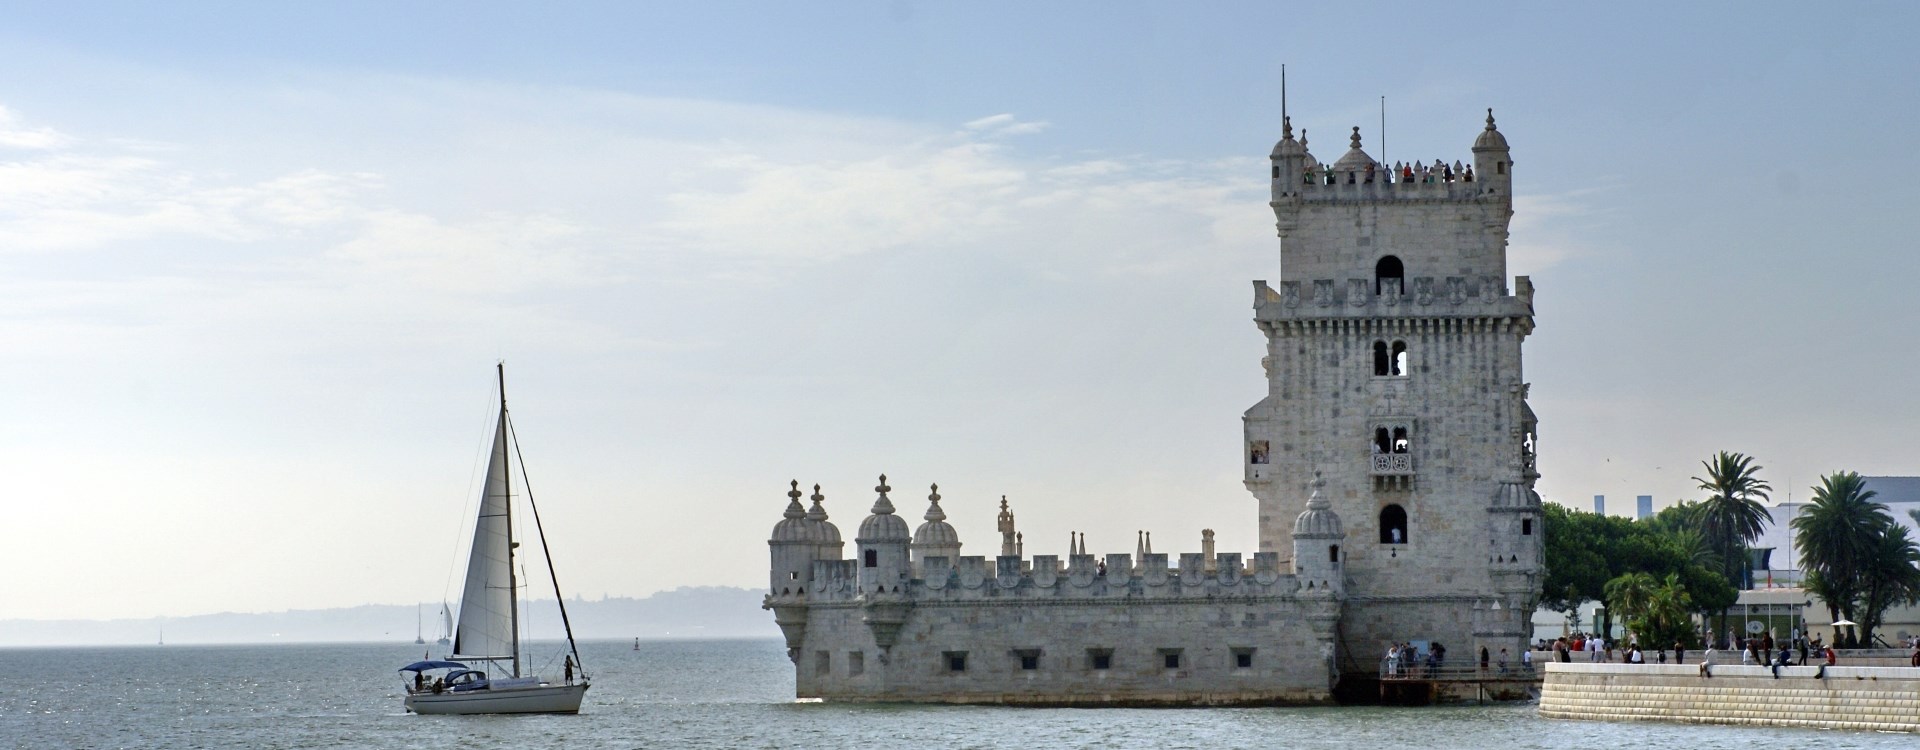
x: 1405, y: 659
x: 1439, y: 171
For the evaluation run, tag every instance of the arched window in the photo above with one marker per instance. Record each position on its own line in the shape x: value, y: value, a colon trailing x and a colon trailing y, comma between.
x: 873, y: 558
x: 1399, y: 364
x: 1393, y: 525
x: 1382, y: 361
x: 1382, y: 442
x: 1387, y: 274
x: 1400, y: 442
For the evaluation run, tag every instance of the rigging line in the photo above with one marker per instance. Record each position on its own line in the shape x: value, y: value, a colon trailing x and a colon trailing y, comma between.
x: 541, y: 530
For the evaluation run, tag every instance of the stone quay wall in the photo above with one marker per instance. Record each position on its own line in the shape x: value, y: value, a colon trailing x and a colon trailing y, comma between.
x: 1860, y: 698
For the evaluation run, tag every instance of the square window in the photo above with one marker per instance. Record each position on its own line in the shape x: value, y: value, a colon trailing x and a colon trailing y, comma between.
x: 956, y: 660
x: 1170, y: 658
x: 1100, y: 658
x: 1029, y: 659
x: 1243, y: 658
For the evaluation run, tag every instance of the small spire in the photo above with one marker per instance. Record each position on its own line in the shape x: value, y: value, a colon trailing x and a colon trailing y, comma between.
x: 818, y: 512
x: 1149, y: 542
x: 1303, y: 137
x: 1315, y: 501
x: 934, y: 513
x: 1286, y: 128
x: 1356, y: 136
x: 1490, y: 120
x: 793, y: 502
x: 881, y: 505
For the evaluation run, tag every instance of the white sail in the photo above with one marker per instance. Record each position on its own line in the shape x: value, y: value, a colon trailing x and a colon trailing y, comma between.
x: 486, y: 607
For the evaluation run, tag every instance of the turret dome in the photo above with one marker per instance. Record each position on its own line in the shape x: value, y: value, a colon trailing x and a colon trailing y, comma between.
x: 794, y: 527
x: 1490, y: 139
x: 824, y: 531
x: 883, y: 525
x: 936, y: 531
x: 1355, y: 160
x: 1318, y: 521
x: 1287, y: 145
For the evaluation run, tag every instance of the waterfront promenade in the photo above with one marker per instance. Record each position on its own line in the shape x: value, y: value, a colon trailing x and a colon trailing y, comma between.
x: 1879, y: 698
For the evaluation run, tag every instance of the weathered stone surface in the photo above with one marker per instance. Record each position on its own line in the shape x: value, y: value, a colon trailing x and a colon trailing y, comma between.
x: 1334, y: 582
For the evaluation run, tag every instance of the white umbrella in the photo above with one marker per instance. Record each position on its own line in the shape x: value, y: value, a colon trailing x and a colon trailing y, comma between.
x: 1845, y: 624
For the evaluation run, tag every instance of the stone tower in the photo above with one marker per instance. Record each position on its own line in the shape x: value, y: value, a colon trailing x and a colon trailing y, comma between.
x: 1394, y: 373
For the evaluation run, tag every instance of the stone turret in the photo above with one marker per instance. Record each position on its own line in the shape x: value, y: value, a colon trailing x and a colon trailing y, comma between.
x: 936, y: 537
x: 1491, y: 160
x: 1009, y: 539
x: 885, y: 596
x: 794, y: 545
x: 1318, y: 536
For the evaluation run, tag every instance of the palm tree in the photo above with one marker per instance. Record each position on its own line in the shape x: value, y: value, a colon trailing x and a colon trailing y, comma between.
x: 1667, y: 606
x: 1837, y: 535
x: 1732, y: 517
x: 1628, y: 595
x: 1891, y: 575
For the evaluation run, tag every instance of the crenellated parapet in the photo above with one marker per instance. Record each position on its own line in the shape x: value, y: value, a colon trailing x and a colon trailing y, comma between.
x: 1397, y: 302
x: 1080, y: 579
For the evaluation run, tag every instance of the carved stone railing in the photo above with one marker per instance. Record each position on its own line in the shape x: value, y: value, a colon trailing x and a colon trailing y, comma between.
x: 1392, y: 464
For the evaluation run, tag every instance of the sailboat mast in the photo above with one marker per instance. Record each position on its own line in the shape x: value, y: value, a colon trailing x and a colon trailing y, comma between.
x: 506, y: 473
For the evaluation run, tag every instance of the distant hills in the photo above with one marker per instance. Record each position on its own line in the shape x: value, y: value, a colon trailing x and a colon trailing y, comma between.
x: 688, y: 612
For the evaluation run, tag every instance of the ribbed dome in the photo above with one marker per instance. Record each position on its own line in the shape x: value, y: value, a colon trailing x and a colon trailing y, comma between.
x: 1355, y: 160
x: 823, y: 532
x: 1318, y: 520
x: 1490, y: 139
x: 1287, y: 145
x: 936, y: 531
x: 883, y: 525
x: 794, y: 527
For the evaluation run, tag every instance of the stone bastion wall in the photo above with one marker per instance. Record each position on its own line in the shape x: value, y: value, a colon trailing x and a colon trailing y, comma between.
x: 1865, y: 698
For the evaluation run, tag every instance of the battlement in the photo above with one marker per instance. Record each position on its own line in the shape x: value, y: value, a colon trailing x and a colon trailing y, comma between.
x: 1403, y: 182
x: 1453, y: 296
x: 1081, y: 577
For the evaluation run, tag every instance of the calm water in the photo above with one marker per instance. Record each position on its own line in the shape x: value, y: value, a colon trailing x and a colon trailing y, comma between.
x: 696, y: 695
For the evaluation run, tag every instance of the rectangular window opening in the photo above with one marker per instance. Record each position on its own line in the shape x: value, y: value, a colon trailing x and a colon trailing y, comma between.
x: 1526, y: 527
x: 956, y: 660
x: 1243, y: 658
x: 1170, y: 658
x: 1100, y: 658
x: 1029, y: 658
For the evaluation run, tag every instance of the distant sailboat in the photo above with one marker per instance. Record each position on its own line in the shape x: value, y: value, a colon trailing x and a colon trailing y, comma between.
x: 446, y: 625
x: 489, y: 628
x: 419, y: 637
x: 163, y: 634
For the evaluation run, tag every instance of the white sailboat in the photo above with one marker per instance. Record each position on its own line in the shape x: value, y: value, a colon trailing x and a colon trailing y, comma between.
x: 488, y: 633
x: 419, y: 637
x: 446, y: 626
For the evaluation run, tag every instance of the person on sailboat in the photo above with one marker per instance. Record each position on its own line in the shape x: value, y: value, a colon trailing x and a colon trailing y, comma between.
x: 569, y: 669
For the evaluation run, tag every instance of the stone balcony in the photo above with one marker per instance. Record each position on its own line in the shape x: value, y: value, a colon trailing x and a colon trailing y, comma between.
x: 1392, y: 464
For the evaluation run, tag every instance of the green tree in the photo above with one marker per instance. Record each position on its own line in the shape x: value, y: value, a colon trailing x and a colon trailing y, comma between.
x: 1731, y: 517
x: 1890, y: 575
x: 1835, y: 536
x: 1587, y: 552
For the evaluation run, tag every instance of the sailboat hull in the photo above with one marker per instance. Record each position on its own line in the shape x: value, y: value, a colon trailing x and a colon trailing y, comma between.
x: 540, y: 699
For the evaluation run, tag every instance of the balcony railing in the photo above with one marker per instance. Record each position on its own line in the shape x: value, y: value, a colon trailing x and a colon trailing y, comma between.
x: 1392, y: 464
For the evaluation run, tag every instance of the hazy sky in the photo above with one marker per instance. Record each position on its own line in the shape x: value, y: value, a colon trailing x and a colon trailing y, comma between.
x: 257, y: 262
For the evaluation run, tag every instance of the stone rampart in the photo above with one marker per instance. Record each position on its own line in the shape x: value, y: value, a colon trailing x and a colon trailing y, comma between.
x: 1869, y: 698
